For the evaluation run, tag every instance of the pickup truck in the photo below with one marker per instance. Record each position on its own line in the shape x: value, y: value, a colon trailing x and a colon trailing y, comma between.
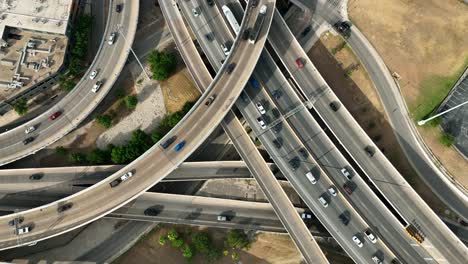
x: 122, y: 178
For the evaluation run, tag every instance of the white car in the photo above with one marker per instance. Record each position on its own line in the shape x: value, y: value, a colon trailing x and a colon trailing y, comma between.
x: 261, y: 122
x: 357, y: 241
x: 376, y: 260
x: 93, y: 74
x: 346, y: 173
x: 306, y: 216
x: 126, y: 176
x: 311, y: 177
x: 323, y: 201
x: 222, y: 218
x: 22, y: 230
x: 195, y: 12
x: 260, y: 108
x: 112, y: 38
x: 370, y: 236
x: 30, y: 129
x: 96, y: 86
x: 332, y: 190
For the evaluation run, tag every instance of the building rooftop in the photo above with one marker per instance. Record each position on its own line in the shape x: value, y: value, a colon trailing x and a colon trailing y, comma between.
x: 38, y: 15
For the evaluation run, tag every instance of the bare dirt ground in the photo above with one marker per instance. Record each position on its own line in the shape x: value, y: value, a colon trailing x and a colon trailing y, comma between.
x: 178, y: 90
x: 359, y: 96
x: 423, y: 41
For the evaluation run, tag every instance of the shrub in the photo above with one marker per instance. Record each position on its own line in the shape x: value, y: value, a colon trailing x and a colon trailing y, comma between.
x: 446, y: 139
x: 104, y: 120
x: 177, y: 243
x: 98, y: 156
x: 172, y: 235
x: 131, y: 101
x: 77, y: 157
x: 62, y: 151
x: 162, y: 240
x: 21, y: 106
x: 188, y: 252
x: 202, y: 242
x: 237, y: 239
x: 162, y: 64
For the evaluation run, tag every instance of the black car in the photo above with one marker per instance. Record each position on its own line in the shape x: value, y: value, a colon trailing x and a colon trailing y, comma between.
x: 230, y: 68
x: 210, y: 2
x: 348, y: 188
x: 28, y: 140
x: 64, y: 207
x: 306, y: 30
x: 344, y: 28
x: 276, y: 113
x: 15, y: 221
x: 36, y: 176
x: 334, y: 106
x: 294, y: 163
x: 369, y: 151
x: 246, y: 34
x: 254, y: 3
x: 168, y: 142
x: 276, y: 94
x: 118, y: 8
x: 209, y: 36
x: 277, y: 128
x: 152, y: 211
x: 344, y: 217
x: 278, y: 142
x: 244, y: 97
x: 304, y: 153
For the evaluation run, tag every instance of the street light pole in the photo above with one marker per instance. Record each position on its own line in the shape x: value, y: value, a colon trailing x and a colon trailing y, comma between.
x: 133, y: 52
x: 422, y: 122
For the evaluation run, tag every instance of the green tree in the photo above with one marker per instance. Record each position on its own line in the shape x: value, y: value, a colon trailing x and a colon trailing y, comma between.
x: 21, y: 106
x: 156, y: 136
x: 235, y: 256
x: 78, y: 157
x: 172, y: 235
x: 177, y: 243
x: 188, y: 251
x: 237, y: 239
x: 104, y: 120
x: 162, y: 64
x: 131, y: 101
x: 162, y: 240
x: 214, y: 253
x: 62, y: 151
x: 202, y: 242
x: 98, y: 156
x: 119, y: 155
x: 66, y: 84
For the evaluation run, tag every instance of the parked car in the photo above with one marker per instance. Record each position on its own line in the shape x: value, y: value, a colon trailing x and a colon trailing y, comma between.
x: 261, y: 122
x: 179, y: 146
x: 36, y: 176
x: 93, y: 74
x: 55, y: 115
x: 96, y: 86
x: 64, y: 207
x: 299, y: 63
x: 210, y: 100
x: 30, y: 129
x: 370, y: 236
x: 357, y: 241
x: 168, y: 142
x: 28, y: 140
x: 260, y: 108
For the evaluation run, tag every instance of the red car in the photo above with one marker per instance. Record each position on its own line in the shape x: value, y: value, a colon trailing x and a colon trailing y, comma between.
x: 299, y: 63
x: 55, y: 115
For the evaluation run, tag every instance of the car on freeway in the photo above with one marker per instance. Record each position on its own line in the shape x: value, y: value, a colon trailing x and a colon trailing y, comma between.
x: 230, y: 68
x: 278, y: 142
x: 64, y: 207
x: 306, y: 216
x: 369, y: 151
x: 323, y: 201
x: 152, y: 211
x: 376, y: 259
x: 277, y: 128
x: 210, y: 2
x: 357, y: 241
x: 244, y: 97
x: 55, y: 115
x: 223, y: 218
x: 23, y: 230
x: 254, y: 3
x: 260, y: 108
x: 246, y: 34
x: 254, y: 83
x: 209, y: 36
x: 334, y: 106
x: 343, y: 27
x: 111, y: 39
x: 196, y: 11
x: 36, y: 176
x: 275, y: 112
x: 304, y: 153
x: 311, y: 177
x: 370, y: 236
x: 306, y: 30
x: 346, y: 173
x: 96, y: 86
x: 347, y: 188
x: 30, y: 129
x: 261, y: 122
x: 115, y: 183
x: 345, y: 217
x: 118, y: 8
x: 225, y: 49
x: 18, y: 220
x: 299, y: 63
x: 168, y: 142
x: 332, y: 190
x: 294, y: 163
x: 277, y: 94
x: 93, y: 74
x: 179, y: 146
x: 210, y: 100
x: 28, y: 140
x: 126, y: 176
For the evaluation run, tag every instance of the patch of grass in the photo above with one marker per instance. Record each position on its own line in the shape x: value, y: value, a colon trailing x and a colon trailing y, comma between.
x: 435, y: 89
x: 446, y: 139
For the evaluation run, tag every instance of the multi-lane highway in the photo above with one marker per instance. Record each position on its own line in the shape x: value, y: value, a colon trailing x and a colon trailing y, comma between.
x: 101, y: 198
